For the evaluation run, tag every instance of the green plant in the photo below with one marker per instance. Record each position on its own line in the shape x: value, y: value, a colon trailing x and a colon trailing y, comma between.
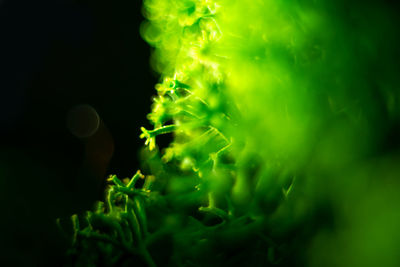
x: 269, y: 103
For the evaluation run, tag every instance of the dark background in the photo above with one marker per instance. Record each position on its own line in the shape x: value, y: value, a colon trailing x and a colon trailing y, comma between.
x: 54, y: 56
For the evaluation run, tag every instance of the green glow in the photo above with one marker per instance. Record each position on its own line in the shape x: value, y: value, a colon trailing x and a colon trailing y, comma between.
x: 276, y: 107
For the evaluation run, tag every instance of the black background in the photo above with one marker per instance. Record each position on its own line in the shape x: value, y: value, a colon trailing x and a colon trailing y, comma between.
x: 55, y: 55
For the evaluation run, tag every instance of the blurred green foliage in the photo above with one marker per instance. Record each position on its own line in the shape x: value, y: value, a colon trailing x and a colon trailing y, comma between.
x: 284, y: 117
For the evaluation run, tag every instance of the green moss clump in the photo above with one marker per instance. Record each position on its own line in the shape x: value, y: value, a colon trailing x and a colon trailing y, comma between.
x: 275, y: 108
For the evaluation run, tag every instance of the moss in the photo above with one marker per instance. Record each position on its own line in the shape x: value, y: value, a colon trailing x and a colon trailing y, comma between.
x: 269, y: 103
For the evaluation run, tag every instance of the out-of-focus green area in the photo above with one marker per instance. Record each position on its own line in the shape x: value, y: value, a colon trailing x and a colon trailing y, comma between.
x: 305, y: 92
